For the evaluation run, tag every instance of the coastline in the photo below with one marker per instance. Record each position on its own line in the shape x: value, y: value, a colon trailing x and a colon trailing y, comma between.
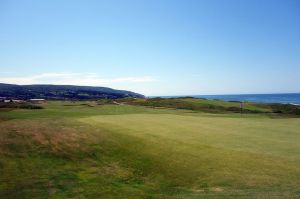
x: 281, y: 98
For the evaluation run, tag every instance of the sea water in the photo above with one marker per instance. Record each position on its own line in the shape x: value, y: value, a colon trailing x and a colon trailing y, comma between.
x: 286, y: 98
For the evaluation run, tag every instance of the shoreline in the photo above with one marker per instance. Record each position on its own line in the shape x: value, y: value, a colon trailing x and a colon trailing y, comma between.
x: 286, y: 98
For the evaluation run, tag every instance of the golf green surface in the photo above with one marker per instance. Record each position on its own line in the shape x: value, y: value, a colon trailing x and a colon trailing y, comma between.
x: 87, y: 150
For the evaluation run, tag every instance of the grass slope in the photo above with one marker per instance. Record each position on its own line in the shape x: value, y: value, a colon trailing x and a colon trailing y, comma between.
x: 215, y: 106
x: 91, y: 150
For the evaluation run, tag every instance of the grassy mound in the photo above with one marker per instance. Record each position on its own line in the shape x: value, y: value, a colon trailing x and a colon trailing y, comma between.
x: 214, y: 106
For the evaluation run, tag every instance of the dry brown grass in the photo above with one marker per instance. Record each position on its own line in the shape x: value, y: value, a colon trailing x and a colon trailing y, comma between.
x: 51, y: 134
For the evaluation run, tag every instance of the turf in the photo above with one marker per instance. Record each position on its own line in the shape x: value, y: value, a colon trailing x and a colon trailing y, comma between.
x: 93, y: 150
x: 215, y: 106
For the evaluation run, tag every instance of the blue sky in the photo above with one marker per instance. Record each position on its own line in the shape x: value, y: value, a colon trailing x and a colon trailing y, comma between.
x: 155, y: 47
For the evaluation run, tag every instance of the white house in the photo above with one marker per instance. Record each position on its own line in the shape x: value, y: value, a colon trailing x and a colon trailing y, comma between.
x: 37, y: 100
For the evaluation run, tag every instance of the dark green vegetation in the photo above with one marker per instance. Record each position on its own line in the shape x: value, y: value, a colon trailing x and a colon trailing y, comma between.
x: 108, y: 149
x: 214, y: 106
x: 22, y: 105
x: 62, y: 92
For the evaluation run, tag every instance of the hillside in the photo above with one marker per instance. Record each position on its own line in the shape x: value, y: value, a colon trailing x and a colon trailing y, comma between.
x: 59, y: 92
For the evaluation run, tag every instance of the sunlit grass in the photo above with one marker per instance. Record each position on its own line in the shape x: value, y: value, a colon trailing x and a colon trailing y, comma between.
x: 86, y: 150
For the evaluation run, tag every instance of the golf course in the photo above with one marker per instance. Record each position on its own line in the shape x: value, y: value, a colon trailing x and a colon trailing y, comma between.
x: 151, y: 149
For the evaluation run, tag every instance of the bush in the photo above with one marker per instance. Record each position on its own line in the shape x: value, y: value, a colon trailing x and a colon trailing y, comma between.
x: 23, y: 105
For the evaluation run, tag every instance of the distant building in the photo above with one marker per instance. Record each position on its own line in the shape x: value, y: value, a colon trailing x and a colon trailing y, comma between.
x: 37, y: 100
x: 17, y: 101
x: 2, y: 99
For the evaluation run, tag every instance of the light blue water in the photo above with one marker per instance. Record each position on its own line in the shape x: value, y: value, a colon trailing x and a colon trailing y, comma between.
x: 288, y: 98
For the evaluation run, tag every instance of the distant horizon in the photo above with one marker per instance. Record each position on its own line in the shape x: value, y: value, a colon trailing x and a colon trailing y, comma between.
x: 224, y: 94
x: 183, y: 95
x: 282, y: 98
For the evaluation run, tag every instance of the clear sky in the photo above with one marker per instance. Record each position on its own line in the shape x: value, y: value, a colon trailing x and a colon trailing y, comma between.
x: 155, y: 47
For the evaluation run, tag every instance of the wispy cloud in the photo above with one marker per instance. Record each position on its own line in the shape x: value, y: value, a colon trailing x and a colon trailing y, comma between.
x: 90, y: 79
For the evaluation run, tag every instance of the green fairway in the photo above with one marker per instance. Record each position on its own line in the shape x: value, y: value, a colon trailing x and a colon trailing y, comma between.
x: 96, y: 150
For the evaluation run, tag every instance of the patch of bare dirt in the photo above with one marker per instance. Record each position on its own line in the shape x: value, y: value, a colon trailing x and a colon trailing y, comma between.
x: 198, y: 190
x: 218, y: 189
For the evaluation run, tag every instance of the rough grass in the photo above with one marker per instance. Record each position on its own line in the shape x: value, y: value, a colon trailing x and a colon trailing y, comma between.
x: 21, y: 105
x: 93, y: 150
x: 215, y: 106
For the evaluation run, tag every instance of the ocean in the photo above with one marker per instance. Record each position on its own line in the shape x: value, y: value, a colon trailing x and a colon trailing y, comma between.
x: 286, y: 98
